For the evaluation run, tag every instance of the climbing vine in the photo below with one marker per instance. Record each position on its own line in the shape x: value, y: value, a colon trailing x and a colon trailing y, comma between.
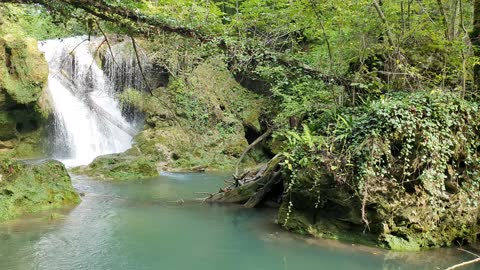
x: 396, y: 145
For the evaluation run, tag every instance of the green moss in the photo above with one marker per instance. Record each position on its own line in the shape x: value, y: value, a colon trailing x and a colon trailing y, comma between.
x: 120, y: 167
x: 7, y: 126
x: 23, y: 69
x: 293, y: 220
x: 23, y: 106
x: 401, y: 244
x: 29, y: 188
x: 198, y: 120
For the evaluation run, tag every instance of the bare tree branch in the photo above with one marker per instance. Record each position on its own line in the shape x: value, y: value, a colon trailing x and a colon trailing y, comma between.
x: 384, y: 19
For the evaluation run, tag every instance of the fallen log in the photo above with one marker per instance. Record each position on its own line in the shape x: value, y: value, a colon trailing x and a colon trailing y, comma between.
x: 258, y: 197
x: 245, y: 152
x: 253, y: 187
x: 477, y: 260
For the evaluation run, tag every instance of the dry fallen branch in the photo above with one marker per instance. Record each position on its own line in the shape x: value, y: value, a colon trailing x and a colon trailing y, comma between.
x: 469, y: 252
x: 253, y: 188
x: 463, y: 264
x: 257, y: 141
x: 456, y: 266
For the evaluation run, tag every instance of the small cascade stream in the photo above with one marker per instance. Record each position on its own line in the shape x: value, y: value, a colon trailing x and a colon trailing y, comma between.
x: 88, y: 121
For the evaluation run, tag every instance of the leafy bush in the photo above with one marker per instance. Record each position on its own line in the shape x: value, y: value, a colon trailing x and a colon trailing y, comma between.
x: 409, y: 164
x: 406, y: 138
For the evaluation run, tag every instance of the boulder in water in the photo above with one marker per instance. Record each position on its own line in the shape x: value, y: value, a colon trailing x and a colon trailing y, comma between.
x: 28, y: 188
x: 120, y: 167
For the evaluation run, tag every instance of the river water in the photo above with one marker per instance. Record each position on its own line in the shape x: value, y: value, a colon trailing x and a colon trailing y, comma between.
x: 155, y: 224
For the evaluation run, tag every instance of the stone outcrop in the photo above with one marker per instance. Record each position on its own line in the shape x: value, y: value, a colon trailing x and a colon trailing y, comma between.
x: 29, y: 188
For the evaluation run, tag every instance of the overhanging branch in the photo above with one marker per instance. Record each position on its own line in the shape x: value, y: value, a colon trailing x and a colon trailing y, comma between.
x: 136, y: 22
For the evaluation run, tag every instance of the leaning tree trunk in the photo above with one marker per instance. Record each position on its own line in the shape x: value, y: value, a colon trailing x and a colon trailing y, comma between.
x: 475, y: 39
x: 252, y: 188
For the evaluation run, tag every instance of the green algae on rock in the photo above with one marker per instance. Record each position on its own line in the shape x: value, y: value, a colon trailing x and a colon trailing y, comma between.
x: 24, y: 70
x: 28, y: 188
x: 23, y: 103
x: 120, y: 167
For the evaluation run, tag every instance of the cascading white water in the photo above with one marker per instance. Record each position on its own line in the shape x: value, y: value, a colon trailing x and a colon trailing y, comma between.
x: 88, y: 119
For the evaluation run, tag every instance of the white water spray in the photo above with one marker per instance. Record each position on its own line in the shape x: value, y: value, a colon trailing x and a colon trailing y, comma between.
x: 88, y: 119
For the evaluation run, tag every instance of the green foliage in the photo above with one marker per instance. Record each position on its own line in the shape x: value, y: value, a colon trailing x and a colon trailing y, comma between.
x: 36, y: 22
x: 421, y: 135
x: 403, y: 138
x: 191, y: 106
x: 403, y: 147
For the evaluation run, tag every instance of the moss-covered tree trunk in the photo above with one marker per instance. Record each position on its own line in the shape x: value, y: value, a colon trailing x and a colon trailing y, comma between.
x: 475, y: 38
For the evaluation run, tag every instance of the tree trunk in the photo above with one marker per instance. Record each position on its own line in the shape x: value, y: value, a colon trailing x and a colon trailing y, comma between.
x: 475, y: 38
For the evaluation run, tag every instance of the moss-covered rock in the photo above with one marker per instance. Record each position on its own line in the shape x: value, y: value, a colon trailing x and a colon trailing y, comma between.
x: 23, y: 69
x: 120, y: 167
x: 28, y: 188
x: 23, y: 106
x: 197, y: 121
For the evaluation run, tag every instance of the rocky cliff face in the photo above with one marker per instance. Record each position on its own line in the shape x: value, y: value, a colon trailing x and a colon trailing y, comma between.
x: 23, y: 106
x: 197, y: 117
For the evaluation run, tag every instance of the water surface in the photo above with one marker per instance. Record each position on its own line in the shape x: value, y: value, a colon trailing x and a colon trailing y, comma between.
x: 156, y: 224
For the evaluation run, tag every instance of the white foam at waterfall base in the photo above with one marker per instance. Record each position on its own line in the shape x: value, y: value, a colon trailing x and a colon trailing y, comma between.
x: 88, y: 120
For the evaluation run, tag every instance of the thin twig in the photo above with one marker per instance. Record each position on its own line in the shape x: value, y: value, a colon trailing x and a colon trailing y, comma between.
x: 95, y: 53
x: 140, y: 65
x: 456, y: 266
x: 74, y: 48
x: 108, y: 43
x: 469, y: 252
x: 424, y: 10
x: 384, y: 19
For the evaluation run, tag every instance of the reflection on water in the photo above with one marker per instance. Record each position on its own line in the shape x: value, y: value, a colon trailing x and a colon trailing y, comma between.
x: 141, y: 225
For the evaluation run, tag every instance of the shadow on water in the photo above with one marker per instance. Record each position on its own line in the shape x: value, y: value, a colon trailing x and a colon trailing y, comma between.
x: 142, y: 225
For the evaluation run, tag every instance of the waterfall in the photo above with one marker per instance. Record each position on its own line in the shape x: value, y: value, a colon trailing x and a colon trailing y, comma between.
x: 88, y: 121
x: 122, y: 67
